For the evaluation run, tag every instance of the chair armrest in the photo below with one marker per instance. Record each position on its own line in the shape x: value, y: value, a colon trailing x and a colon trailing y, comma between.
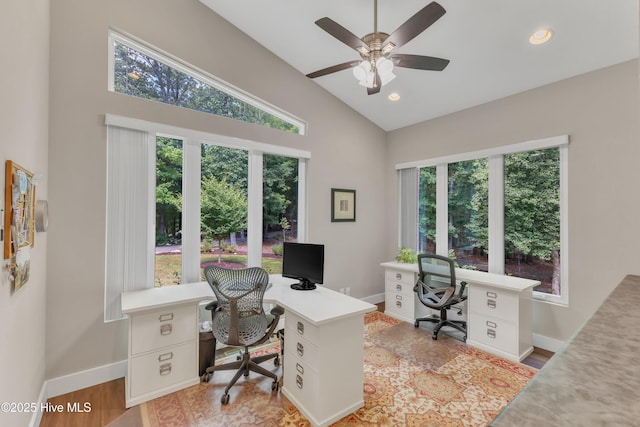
x: 277, y: 311
x: 463, y: 287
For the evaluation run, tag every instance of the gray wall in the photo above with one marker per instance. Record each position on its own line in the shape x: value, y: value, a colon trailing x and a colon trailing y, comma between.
x: 599, y: 111
x: 347, y: 150
x: 24, y: 120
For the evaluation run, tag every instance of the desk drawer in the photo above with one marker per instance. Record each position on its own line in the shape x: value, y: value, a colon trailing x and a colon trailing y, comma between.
x: 301, y: 381
x: 494, y: 333
x: 301, y: 349
x: 399, y: 304
x: 398, y: 276
x: 493, y: 302
x: 154, y: 371
x: 399, y: 287
x: 161, y: 328
x: 296, y: 326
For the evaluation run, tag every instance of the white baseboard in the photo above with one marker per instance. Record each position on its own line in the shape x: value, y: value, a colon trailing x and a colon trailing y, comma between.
x: 76, y: 381
x: 547, y: 343
x: 374, y: 299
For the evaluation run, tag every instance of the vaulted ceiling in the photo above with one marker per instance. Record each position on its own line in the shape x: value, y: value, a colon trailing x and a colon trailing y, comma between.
x: 486, y: 41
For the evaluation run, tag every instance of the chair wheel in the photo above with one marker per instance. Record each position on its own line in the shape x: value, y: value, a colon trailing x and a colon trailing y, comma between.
x: 225, y: 399
x: 434, y: 336
x: 275, y: 386
x: 205, y: 378
x: 276, y: 361
x: 415, y: 324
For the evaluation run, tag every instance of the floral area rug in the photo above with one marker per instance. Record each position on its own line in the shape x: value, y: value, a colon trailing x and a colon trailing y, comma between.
x: 409, y: 380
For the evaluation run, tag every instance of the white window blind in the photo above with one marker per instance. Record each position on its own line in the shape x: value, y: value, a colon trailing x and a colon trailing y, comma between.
x: 408, y: 179
x: 130, y: 215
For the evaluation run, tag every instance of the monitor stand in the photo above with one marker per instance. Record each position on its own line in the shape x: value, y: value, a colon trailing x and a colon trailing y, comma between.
x: 303, y: 285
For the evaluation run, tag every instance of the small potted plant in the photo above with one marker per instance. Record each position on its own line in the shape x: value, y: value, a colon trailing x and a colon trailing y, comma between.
x: 406, y: 255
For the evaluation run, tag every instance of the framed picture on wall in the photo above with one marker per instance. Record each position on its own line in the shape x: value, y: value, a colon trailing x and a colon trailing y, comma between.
x: 18, y: 221
x: 343, y: 205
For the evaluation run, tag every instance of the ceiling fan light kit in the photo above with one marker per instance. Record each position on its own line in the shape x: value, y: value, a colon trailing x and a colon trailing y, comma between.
x: 376, y: 49
x: 365, y: 73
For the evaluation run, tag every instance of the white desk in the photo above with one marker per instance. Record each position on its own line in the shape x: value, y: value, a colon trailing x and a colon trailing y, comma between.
x: 324, y: 345
x: 499, y: 307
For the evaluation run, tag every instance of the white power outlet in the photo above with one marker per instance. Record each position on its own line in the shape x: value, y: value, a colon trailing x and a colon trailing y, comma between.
x: 347, y: 291
x: 342, y: 290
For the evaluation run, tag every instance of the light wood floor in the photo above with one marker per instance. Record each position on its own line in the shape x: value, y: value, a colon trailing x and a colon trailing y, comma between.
x: 107, y: 399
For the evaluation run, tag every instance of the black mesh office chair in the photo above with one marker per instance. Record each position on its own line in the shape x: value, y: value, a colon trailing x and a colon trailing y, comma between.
x: 436, y: 289
x: 238, y: 319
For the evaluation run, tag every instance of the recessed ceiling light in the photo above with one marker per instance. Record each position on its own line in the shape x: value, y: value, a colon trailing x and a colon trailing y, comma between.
x: 393, y: 96
x: 540, y: 36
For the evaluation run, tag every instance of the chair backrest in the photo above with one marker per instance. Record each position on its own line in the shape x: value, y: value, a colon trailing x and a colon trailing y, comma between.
x: 436, y: 271
x: 436, y: 286
x: 239, y: 319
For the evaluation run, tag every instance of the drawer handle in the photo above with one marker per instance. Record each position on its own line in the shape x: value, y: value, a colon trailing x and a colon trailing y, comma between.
x: 299, y: 382
x: 399, y: 304
x: 492, y: 324
x: 165, y: 317
x: 399, y: 297
x: 300, y: 328
x: 165, y: 369
x: 300, y: 349
x: 166, y: 329
x: 398, y: 276
x: 491, y: 333
x: 165, y: 357
x: 491, y: 303
x: 398, y: 287
x: 492, y: 294
x: 300, y: 368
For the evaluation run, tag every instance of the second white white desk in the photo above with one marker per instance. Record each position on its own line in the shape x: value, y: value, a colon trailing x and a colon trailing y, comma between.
x: 324, y: 345
x: 499, y: 307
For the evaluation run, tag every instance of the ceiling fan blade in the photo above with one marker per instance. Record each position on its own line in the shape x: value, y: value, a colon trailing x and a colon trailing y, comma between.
x: 419, y: 62
x: 376, y: 88
x: 415, y: 25
x: 332, y: 69
x: 342, y: 34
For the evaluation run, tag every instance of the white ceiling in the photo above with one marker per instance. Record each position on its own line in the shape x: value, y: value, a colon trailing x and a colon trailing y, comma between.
x: 486, y: 41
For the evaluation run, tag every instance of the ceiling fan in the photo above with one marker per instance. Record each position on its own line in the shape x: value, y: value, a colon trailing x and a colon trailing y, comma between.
x: 375, y: 69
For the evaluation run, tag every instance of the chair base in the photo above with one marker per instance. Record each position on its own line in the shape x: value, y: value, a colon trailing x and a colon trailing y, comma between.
x: 244, y: 365
x: 460, y: 325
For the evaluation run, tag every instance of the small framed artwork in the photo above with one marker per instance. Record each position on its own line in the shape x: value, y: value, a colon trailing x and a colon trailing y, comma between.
x: 19, y: 222
x: 343, y: 205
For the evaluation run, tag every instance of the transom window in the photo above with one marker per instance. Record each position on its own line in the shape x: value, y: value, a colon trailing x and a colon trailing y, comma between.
x: 141, y: 71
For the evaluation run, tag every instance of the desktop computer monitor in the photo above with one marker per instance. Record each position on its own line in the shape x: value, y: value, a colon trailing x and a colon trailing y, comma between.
x: 305, y: 262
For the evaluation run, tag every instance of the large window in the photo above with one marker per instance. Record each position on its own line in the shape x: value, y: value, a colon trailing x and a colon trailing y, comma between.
x: 179, y: 200
x: 467, y: 213
x: 223, y: 208
x: 280, y: 208
x: 500, y: 210
x: 139, y: 70
x: 427, y: 210
x: 532, y: 217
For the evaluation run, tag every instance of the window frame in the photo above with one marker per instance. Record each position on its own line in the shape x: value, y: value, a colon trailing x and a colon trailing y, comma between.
x: 195, y: 72
x: 495, y: 158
